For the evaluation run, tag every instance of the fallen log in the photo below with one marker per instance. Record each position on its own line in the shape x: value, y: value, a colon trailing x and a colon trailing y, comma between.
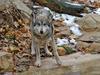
x: 63, y: 6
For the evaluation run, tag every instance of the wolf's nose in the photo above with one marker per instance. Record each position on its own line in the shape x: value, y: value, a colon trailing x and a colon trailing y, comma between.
x: 41, y: 32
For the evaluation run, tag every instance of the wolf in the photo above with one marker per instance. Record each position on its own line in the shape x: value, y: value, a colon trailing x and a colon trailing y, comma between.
x: 42, y: 31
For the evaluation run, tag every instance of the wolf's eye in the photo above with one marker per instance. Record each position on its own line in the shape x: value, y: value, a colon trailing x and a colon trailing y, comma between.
x: 34, y: 24
x: 44, y: 24
x: 38, y: 24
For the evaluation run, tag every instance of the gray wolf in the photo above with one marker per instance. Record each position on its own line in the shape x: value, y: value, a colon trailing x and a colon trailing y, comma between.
x: 42, y: 31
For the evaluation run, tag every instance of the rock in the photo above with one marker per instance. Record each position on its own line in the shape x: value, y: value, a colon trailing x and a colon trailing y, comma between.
x: 57, y: 31
x: 72, y: 59
x: 61, y: 30
x: 21, y: 6
x: 90, y: 40
x: 61, y: 34
x: 95, y: 47
x: 88, y: 47
x: 75, y: 64
x: 83, y: 46
x: 6, y: 62
x: 58, y: 23
x: 4, y: 4
x: 90, y: 23
x: 73, y: 73
x: 91, y: 36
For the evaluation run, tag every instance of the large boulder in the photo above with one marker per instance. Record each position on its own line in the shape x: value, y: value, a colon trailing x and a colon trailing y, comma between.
x: 91, y: 36
x: 88, y: 47
x: 90, y: 23
x: 6, y: 4
x: 90, y: 40
x: 74, y: 64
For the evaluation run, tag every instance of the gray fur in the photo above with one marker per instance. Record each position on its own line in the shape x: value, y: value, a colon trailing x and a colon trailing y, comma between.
x: 42, y: 31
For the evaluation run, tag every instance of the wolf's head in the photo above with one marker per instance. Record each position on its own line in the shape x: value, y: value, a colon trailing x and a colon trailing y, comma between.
x: 41, y: 22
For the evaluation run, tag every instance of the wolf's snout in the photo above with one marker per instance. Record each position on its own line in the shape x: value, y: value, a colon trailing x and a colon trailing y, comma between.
x: 41, y: 32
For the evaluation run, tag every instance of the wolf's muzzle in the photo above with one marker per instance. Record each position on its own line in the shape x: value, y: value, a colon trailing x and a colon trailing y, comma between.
x: 41, y: 32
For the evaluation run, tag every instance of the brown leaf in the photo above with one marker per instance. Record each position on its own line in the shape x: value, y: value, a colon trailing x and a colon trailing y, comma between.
x: 26, y: 21
x: 13, y: 49
x: 61, y: 51
x: 23, y: 30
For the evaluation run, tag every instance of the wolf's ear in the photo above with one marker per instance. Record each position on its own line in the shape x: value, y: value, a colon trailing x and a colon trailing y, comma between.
x: 35, y: 9
x: 33, y: 17
x: 33, y: 14
x: 50, y: 18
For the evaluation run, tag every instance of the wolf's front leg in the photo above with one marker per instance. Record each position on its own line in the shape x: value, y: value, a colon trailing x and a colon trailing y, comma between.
x: 38, y: 57
x: 46, y: 49
x: 32, y: 48
x: 55, y: 51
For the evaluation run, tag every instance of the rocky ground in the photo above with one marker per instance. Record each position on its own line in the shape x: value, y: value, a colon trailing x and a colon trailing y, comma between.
x: 15, y: 40
x: 74, y: 64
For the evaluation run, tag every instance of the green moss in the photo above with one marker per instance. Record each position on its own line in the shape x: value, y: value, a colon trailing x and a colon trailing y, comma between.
x: 68, y: 49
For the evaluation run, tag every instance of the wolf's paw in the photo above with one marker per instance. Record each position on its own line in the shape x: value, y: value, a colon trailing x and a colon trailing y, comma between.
x: 49, y: 53
x: 37, y: 63
x: 32, y: 51
x: 59, y: 62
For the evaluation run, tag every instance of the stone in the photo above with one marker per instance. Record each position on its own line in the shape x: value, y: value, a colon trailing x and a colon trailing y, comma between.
x: 82, y: 43
x: 90, y: 36
x: 73, y: 73
x: 62, y: 31
x: 21, y: 6
x: 87, y: 47
x: 6, y: 61
x: 4, y: 4
x: 74, y: 64
x: 83, y: 46
x: 95, y: 47
x: 90, y: 40
x: 90, y: 23
x: 58, y: 23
